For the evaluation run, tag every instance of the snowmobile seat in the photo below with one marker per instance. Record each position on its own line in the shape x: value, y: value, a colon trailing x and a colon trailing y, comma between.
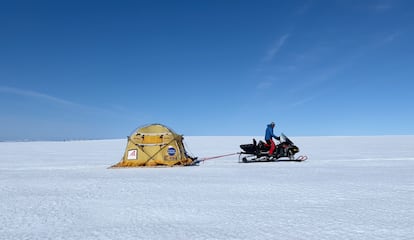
x: 248, y: 148
x: 262, y: 146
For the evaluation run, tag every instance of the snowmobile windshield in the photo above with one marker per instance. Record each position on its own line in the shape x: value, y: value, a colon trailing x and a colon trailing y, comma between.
x: 283, y: 138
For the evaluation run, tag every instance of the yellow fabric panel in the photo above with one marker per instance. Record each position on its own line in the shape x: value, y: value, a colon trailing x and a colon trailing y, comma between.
x: 152, y: 139
x: 146, y: 138
x: 155, y: 128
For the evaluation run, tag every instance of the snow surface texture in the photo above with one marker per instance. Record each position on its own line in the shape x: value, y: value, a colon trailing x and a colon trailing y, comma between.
x: 349, y: 188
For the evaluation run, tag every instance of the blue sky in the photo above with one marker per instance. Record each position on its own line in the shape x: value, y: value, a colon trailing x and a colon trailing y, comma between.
x: 98, y: 69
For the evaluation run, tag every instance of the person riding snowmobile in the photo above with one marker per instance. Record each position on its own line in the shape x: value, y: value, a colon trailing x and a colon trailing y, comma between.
x: 269, y: 138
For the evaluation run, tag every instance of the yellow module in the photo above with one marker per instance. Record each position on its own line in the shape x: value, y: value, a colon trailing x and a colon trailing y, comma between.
x: 155, y: 145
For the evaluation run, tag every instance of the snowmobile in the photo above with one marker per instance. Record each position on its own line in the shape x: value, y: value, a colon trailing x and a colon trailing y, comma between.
x: 259, y: 152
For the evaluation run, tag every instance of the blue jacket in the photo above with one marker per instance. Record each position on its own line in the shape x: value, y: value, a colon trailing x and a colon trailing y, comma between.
x: 269, y: 133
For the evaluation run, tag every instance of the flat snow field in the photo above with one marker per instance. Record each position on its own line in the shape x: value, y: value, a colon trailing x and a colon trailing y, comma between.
x: 349, y: 188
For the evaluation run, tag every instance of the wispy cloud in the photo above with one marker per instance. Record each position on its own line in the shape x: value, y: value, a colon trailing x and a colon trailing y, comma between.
x: 29, y: 93
x: 303, y: 8
x: 272, y: 52
x: 303, y: 101
x: 330, y: 73
x: 59, y: 101
x: 382, y: 6
x: 390, y: 38
x: 264, y: 85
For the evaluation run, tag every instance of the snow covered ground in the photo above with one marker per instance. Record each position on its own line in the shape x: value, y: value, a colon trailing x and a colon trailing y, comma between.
x: 349, y: 188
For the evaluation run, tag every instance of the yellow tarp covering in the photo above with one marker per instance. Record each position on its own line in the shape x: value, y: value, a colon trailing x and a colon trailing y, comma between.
x: 154, y: 145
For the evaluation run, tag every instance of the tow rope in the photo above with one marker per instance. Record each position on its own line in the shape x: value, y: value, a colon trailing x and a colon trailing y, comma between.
x: 214, y: 157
